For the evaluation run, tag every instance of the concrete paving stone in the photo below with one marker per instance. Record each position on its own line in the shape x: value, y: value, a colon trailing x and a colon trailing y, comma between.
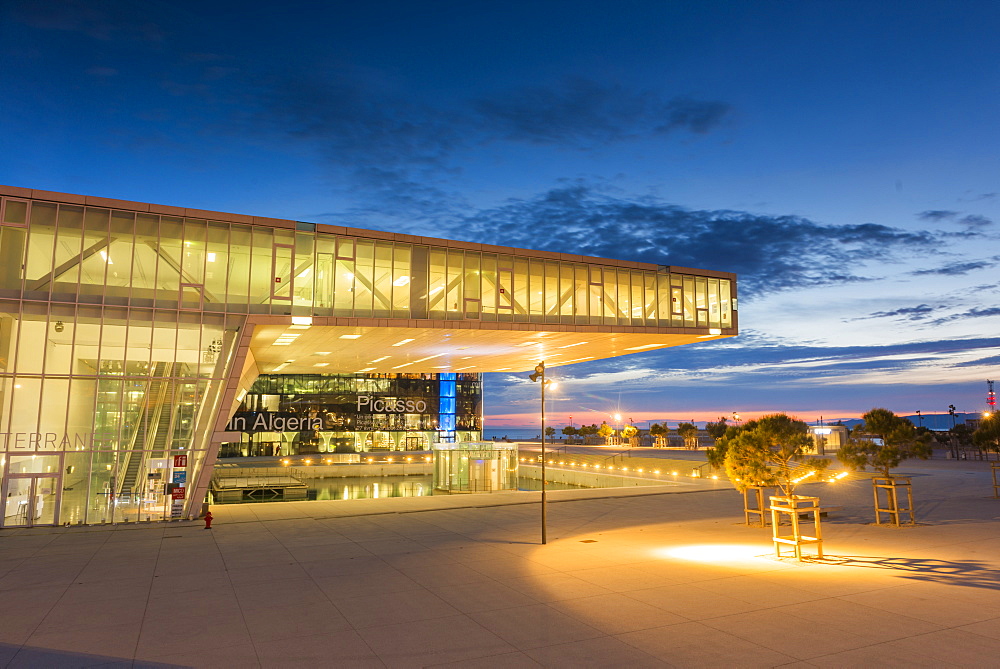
x: 195, y: 631
x: 343, y: 566
x: 391, y: 546
x: 17, y: 625
x: 444, y: 574
x: 124, y: 588
x: 755, y: 590
x: 295, y: 620
x: 599, y: 652
x: 343, y: 648
x: 285, y: 592
x: 328, y: 552
x: 418, y: 558
x: 424, y: 643
x: 946, y: 647
x: 7, y: 653
x: 108, y: 636
x: 694, y: 644
x: 482, y: 596
x: 339, y: 588
x: 516, y: 660
x: 553, y: 587
x: 821, y: 627
x: 178, y: 584
x: 28, y: 575
x: 990, y: 628
x: 73, y: 614
x: 279, y: 570
x: 221, y: 656
x: 616, y: 613
x: 534, y: 625
x: 691, y: 601
x: 510, y: 568
x: 948, y: 604
x: 220, y: 601
x: 38, y: 658
x: 616, y: 579
x: 395, y: 607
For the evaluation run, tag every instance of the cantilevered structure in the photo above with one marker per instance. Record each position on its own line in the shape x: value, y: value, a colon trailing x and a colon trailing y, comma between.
x: 130, y: 332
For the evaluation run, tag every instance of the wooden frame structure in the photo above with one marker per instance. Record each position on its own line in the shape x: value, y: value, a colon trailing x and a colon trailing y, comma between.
x: 794, y: 507
x: 753, y: 504
x: 891, y: 486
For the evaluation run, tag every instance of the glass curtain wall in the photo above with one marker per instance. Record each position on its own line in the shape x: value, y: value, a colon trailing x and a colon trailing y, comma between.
x: 117, y: 329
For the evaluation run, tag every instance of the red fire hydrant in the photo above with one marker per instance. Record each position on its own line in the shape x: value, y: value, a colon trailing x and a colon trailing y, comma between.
x: 208, y: 520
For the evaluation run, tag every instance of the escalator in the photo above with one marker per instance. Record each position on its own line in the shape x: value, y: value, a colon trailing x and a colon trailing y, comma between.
x: 152, y: 434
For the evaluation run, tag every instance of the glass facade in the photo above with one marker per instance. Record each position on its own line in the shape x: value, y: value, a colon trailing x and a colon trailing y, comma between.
x: 355, y: 413
x: 121, y: 323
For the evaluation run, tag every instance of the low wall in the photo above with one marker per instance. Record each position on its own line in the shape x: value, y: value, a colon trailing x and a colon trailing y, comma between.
x: 590, y: 479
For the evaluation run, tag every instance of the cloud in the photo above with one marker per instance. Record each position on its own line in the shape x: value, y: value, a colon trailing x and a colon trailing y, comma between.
x: 375, y: 133
x: 104, y: 21
x: 770, y: 253
x: 937, y: 215
x: 956, y: 268
x: 975, y: 221
x: 992, y: 360
x: 974, y: 312
x: 916, y: 313
x: 582, y: 113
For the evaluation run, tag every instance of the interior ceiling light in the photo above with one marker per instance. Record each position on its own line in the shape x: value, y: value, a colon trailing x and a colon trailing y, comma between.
x: 384, y: 357
x: 639, y: 348
x: 355, y: 336
x: 502, y: 369
x: 579, y: 343
x: 402, y: 341
x: 405, y: 364
x: 430, y: 357
x: 468, y: 357
x: 302, y: 320
x: 461, y: 368
x: 366, y: 369
x: 210, y: 256
x: 401, y: 281
x: 322, y: 364
x: 529, y: 343
x: 106, y: 258
x: 322, y: 353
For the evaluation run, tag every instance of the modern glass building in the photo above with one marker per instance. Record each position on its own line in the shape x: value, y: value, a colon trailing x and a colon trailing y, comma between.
x: 312, y: 414
x: 131, y: 333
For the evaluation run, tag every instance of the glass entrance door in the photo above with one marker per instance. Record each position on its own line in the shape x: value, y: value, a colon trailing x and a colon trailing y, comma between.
x: 32, y: 490
x: 31, y: 499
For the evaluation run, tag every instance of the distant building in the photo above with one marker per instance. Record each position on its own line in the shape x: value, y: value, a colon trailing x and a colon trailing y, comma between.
x: 827, y: 438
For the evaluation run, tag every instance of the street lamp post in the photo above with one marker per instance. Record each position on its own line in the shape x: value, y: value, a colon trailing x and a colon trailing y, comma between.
x: 954, y: 440
x: 539, y: 375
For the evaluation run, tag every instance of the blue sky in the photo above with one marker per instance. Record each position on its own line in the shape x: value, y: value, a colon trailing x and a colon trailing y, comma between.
x: 842, y: 157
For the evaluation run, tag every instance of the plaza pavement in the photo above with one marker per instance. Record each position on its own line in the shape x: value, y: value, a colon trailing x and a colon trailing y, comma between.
x: 628, y: 580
